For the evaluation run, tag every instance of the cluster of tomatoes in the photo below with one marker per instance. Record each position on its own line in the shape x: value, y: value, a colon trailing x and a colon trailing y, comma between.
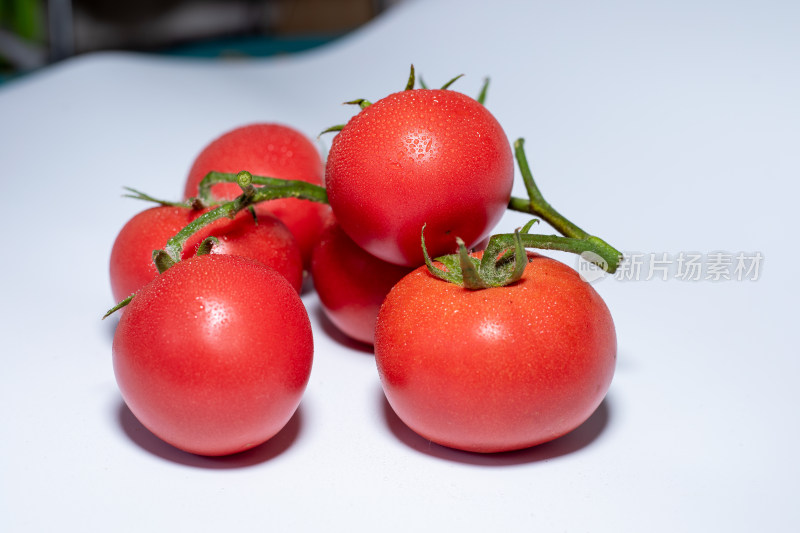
x: 214, y: 349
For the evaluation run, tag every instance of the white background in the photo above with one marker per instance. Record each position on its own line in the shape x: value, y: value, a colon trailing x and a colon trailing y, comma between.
x: 660, y: 126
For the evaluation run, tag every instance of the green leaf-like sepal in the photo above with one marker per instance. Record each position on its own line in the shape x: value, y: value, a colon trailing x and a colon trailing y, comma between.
x: 360, y: 102
x: 471, y: 276
x: 451, y: 82
x: 139, y: 195
x: 163, y: 260
x: 337, y: 128
x: 411, y: 81
x: 119, y: 306
x: 482, y: 96
x: 206, y: 246
x: 446, y: 275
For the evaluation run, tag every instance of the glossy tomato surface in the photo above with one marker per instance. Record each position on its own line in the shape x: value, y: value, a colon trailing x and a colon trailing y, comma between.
x: 497, y: 369
x: 131, y: 264
x: 351, y: 283
x: 272, y: 150
x: 213, y: 356
x: 263, y: 238
x: 434, y: 157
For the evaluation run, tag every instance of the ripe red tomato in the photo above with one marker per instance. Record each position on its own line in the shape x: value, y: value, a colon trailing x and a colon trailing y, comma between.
x: 267, y: 150
x: 213, y: 356
x: 497, y: 369
x: 131, y: 265
x: 434, y: 157
x: 351, y: 283
x: 267, y: 240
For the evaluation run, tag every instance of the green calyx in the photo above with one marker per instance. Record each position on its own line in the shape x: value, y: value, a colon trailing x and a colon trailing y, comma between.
x: 412, y: 81
x: 496, y: 268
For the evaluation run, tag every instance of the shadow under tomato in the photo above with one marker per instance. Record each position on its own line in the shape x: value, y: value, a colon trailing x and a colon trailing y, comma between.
x: 146, y: 440
x: 340, y: 338
x: 307, y: 287
x: 579, y: 438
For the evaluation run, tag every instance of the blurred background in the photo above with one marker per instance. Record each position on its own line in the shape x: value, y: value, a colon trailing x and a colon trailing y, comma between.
x: 34, y: 33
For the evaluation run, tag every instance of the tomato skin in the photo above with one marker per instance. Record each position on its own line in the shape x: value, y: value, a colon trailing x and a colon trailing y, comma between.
x: 434, y: 157
x: 272, y: 150
x: 351, y: 283
x: 497, y: 369
x: 213, y: 356
x: 131, y: 264
x: 267, y: 240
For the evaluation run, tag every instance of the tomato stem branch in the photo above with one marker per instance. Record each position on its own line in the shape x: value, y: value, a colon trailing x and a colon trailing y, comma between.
x: 279, y: 188
x: 272, y: 188
x: 575, y: 239
x: 536, y: 204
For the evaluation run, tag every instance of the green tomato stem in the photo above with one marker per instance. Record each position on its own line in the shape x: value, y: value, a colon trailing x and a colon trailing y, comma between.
x: 536, y: 204
x: 272, y: 188
x: 279, y: 188
x: 575, y: 239
x: 608, y: 257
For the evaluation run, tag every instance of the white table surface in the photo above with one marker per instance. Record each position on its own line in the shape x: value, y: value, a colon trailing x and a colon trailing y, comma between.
x: 664, y: 127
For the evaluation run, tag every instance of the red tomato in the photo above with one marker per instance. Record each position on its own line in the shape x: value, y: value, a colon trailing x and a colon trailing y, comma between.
x: 269, y: 150
x: 213, y: 356
x: 497, y: 369
x: 351, y: 283
x: 131, y: 265
x: 267, y: 240
x: 434, y: 157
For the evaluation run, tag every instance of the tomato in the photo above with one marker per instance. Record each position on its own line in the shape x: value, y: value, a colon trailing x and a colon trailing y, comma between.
x: 271, y: 150
x: 268, y: 241
x: 213, y: 356
x: 131, y: 265
x: 496, y: 369
x: 434, y: 157
x: 265, y: 239
x: 351, y: 283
